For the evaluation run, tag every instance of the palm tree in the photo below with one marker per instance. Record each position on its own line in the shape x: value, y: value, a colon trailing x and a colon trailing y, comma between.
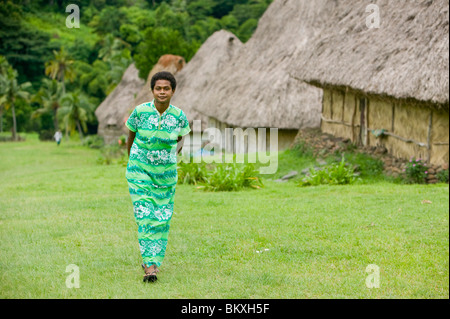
x: 49, y: 96
x: 3, y: 70
x: 60, y: 68
x: 11, y: 91
x: 75, y: 112
x: 111, y: 46
x: 2, y: 99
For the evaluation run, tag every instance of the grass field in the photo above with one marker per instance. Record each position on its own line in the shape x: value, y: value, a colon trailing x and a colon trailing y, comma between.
x: 59, y: 207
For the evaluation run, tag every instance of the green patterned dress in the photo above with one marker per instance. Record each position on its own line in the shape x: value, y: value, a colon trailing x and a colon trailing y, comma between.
x: 152, y: 175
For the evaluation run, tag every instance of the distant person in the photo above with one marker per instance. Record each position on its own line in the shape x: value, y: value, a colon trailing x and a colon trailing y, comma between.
x: 58, y: 137
x: 155, y: 139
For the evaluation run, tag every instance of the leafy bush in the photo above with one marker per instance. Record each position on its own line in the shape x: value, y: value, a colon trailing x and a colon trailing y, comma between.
x: 191, y: 173
x: 416, y: 171
x: 231, y: 177
x: 302, y: 149
x: 122, y: 141
x: 46, y: 135
x: 93, y: 141
x: 442, y: 176
x: 332, y: 174
x: 110, y: 154
x: 365, y: 164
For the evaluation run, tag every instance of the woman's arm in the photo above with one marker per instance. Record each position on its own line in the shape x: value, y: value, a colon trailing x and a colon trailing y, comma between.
x: 130, y: 141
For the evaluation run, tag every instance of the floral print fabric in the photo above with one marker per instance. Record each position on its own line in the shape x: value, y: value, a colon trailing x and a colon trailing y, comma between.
x: 152, y: 175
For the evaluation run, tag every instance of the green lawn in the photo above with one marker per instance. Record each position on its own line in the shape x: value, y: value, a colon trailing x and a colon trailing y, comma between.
x: 58, y: 207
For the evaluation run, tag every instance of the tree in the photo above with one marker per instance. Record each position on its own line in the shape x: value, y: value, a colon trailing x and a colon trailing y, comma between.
x: 246, y: 29
x: 49, y: 97
x: 75, y: 112
x: 10, y: 91
x: 3, y: 69
x: 254, y: 9
x: 200, y: 9
x: 112, y: 47
x: 26, y: 48
x: 157, y: 42
x: 60, y: 68
x: 108, y: 21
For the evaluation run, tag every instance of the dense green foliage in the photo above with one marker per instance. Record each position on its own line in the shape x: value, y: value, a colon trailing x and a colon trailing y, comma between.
x: 416, y: 171
x: 219, y: 177
x: 332, y: 174
x: 89, y: 61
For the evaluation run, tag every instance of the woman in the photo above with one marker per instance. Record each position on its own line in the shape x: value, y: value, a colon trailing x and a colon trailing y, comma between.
x: 155, y: 130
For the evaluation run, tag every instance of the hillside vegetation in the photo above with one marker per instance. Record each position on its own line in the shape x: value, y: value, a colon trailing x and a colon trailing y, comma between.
x: 89, y: 61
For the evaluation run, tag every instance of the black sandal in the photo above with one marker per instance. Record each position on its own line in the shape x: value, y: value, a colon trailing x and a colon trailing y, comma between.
x: 150, y: 276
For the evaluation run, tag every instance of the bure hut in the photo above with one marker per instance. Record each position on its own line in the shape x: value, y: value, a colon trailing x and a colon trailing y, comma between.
x: 255, y: 90
x: 114, y: 108
x: 385, y: 83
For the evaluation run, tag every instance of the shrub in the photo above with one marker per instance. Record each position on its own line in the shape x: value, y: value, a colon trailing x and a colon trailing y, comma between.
x: 231, y: 177
x: 191, y: 173
x: 365, y: 164
x: 122, y: 141
x: 110, y: 154
x: 442, y: 176
x: 333, y: 174
x: 93, y: 141
x: 302, y: 149
x: 46, y: 135
x: 416, y: 171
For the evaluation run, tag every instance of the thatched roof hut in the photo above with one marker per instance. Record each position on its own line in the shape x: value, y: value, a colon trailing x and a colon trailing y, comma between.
x: 255, y: 88
x: 113, y: 111
x: 384, y: 86
x: 215, y: 53
x: 406, y: 57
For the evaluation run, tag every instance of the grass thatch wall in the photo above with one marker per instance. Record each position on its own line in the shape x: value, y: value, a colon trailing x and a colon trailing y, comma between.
x: 233, y: 144
x: 113, y: 111
x: 406, y: 57
x: 411, y: 128
x: 255, y: 88
x: 218, y: 50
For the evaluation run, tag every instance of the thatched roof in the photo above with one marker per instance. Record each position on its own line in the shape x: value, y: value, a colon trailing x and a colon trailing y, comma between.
x: 255, y: 88
x: 406, y: 57
x: 113, y: 110
x: 216, y: 52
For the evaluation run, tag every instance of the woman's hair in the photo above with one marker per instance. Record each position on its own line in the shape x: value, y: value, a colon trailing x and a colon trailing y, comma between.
x: 164, y: 76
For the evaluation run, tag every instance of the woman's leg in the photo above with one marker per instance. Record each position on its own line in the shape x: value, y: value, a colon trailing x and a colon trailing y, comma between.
x: 153, y: 236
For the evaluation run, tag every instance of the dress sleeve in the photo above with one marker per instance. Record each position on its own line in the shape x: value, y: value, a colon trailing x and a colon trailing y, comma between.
x: 184, y: 125
x: 133, y: 121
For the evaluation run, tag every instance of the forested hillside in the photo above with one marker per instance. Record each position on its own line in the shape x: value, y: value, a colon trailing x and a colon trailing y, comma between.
x: 52, y: 75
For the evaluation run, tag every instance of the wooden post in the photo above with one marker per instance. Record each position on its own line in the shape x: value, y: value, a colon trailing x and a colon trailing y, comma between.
x: 393, y: 117
x: 331, y: 103
x: 353, y: 119
x: 430, y: 127
x: 343, y: 104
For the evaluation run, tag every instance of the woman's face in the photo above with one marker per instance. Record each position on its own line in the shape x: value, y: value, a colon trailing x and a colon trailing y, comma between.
x: 162, y: 92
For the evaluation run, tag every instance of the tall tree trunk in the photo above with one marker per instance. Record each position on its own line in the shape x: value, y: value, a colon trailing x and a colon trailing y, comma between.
x: 55, y: 119
x: 14, y: 129
x: 1, y: 120
x: 63, y: 85
x: 79, y: 129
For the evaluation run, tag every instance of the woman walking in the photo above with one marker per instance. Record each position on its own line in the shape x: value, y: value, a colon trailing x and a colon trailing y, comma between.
x: 156, y: 128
